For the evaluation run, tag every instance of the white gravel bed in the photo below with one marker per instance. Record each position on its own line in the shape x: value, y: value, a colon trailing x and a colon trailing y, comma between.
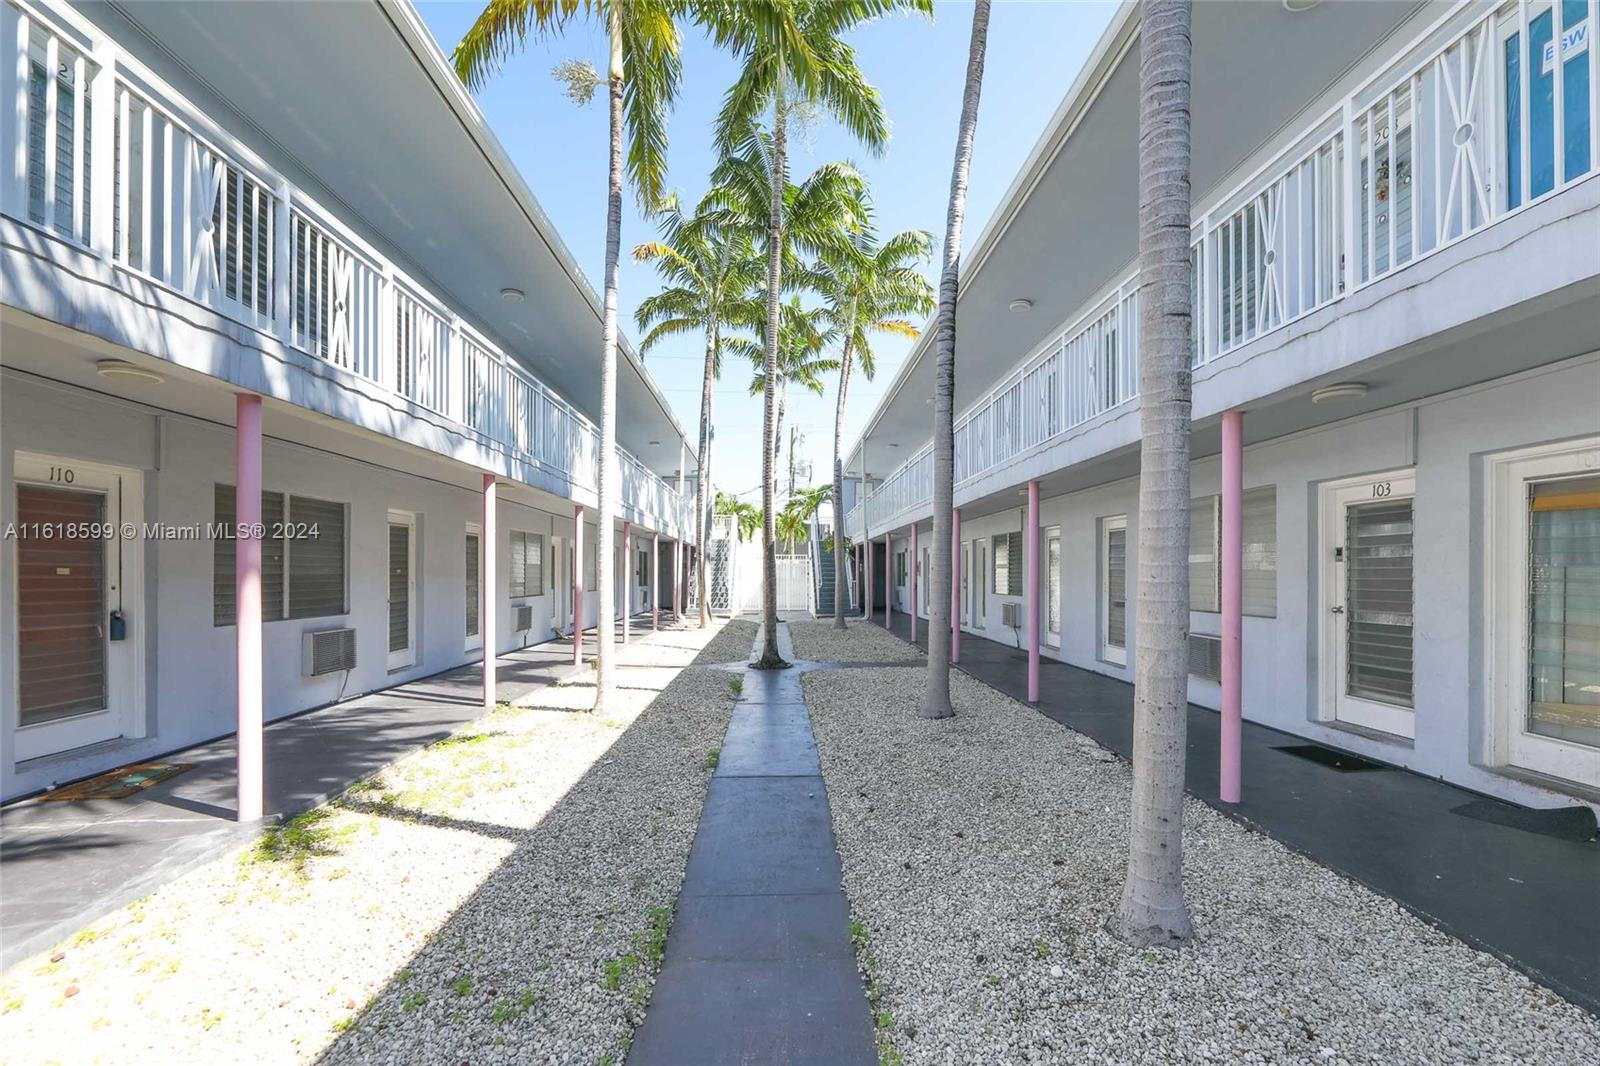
x: 984, y: 854
x: 500, y: 896
x: 860, y: 642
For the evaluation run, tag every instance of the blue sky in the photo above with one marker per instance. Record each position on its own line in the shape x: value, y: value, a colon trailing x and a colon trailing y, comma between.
x: 1035, y: 50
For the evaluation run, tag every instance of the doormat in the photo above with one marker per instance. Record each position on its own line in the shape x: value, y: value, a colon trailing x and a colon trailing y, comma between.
x: 1564, y: 823
x: 120, y: 783
x: 1334, y: 759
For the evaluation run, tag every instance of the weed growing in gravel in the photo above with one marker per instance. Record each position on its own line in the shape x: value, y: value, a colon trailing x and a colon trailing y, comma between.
x: 615, y: 968
x: 506, y: 1010
x: 736, y: 686
x: 1042, y: 949
x: 861, y: 939
x: 413, y: 1001
x: 462, y: 985
x: 713, y: 757
x: 300, y: 839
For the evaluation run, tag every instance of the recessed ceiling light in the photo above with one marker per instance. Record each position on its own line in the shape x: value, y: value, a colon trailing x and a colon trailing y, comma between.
x: 512, y: 296
x: 1345, y: 390
x: 1300, y: 5
x: 1021, y: 305
x: 119, y: 368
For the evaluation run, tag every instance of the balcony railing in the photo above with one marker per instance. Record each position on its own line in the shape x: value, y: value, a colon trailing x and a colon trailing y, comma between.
x: 1429, y: 149
x: 115, y: 162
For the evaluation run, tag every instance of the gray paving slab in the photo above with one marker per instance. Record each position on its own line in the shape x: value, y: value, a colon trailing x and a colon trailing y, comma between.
x: 759, y: 967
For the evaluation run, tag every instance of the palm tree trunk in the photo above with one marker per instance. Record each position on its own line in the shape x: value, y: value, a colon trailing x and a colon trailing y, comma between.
x: 777, y: 427
x: 936, y: 697
x: 702, y: 484
x: 770, y: 658
x: 838, y: 469
x: 606, y: 483
x: 1152, y: 910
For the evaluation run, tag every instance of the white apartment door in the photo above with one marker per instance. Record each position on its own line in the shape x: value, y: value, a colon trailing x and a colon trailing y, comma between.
x: 1114, y: 590
x: 1368, y: 545
x: 402, y: 590
x: 980, y: 585
x: 560, y: 583
x: 966, y: 582
x: 1052, y: 577
x: 78, y: 583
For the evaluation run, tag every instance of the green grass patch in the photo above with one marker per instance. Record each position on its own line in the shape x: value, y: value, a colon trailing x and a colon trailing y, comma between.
x: 713, y: 757
x: 299, y: 840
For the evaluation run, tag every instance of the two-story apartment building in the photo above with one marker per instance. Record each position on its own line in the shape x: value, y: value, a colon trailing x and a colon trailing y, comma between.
x: 1397, y: 349
x: 267, y: 263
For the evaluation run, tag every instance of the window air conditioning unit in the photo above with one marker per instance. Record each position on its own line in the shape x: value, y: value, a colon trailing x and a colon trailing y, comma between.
x: 1205, y: 657
x: 328, y: 651
x: 524, y: 619
x: 1011, y: 615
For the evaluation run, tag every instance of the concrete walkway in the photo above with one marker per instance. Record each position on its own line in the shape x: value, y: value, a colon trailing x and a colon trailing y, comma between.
x: 1481, y: 869
x: 759, y: 967
x: 65, y: 864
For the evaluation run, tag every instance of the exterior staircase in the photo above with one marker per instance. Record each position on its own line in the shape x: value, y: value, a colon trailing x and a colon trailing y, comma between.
x: 825, y: 577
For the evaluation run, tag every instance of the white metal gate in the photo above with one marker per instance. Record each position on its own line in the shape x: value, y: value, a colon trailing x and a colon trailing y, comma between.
x: 794, y: 583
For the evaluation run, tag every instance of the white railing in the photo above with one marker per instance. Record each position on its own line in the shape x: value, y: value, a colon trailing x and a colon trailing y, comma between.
x: 147, y: 182
x: 1447, y: 137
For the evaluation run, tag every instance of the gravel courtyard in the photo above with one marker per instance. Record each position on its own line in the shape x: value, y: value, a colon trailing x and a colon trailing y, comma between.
x: 982, y: 856
x: 501, y: 896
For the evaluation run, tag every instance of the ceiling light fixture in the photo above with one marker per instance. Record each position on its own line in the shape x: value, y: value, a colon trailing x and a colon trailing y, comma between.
x: 655, y: 444
x: 1021, y: 305
x: 1345, y: 390
x: 126, y: 371
x: 1300, y: 5
x: 512, y: 296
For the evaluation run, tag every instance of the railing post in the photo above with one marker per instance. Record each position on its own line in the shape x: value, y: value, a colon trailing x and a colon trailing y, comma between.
x: 103, y: 146
x: 1232, y: 600
x: 1348, y: 199
x: 282, y: 268
x: 14, y: 32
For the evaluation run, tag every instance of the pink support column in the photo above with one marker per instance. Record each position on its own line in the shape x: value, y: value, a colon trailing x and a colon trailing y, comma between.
x: 488, y: 608
x: 955, y: 585
x: 861, y: 578
x: 655, y: 580
x: 577, y: 584
x: 915, y: 558
x: 1030, y: 589
x: 627, y: 578
x: 247, y: 601
x: 1232, y: 601
x: 888, y: 580
x: 867, y: 548
x: 677, y: 552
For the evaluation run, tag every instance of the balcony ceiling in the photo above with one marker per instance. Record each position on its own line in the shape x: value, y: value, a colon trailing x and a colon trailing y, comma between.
x: 1257, y: 67
x: 358, y: 95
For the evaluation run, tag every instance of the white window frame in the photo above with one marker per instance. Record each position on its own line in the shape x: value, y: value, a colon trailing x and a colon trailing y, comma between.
x: 1052, y: 637
x: 1107, y: 653
x: 1505, y: 555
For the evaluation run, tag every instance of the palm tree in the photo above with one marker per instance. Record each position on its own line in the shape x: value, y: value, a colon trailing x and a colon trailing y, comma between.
x: 711, y: 272
x: 642, y: 81
x: 1152, y: 910
x: 936, y: 698
x: 802, y: 336
x: 870, y: 289
x: 747, y: 517
x: 792, y: 527
x: 791, y: 52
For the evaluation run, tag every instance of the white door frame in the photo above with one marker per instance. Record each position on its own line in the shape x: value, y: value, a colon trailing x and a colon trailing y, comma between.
x: 1052, y: 590
x: 407, y: 656
x: 980, y: 583
x: 124, y: 715
x: 1334, y: 704
x: 1506, y: 609
x: 966, y: 583
x: 475, y: 641
x: 1108, y: 653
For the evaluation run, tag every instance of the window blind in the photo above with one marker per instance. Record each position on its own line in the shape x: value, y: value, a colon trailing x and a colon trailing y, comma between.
x: 399, y: 586
x: 1117, y: 588
x: 1378, y: 549
x: 222, y: 557
x: 1007, y: 551
x: 316, y: 563
x: 1204, y: 536
x: 1260, y: 550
